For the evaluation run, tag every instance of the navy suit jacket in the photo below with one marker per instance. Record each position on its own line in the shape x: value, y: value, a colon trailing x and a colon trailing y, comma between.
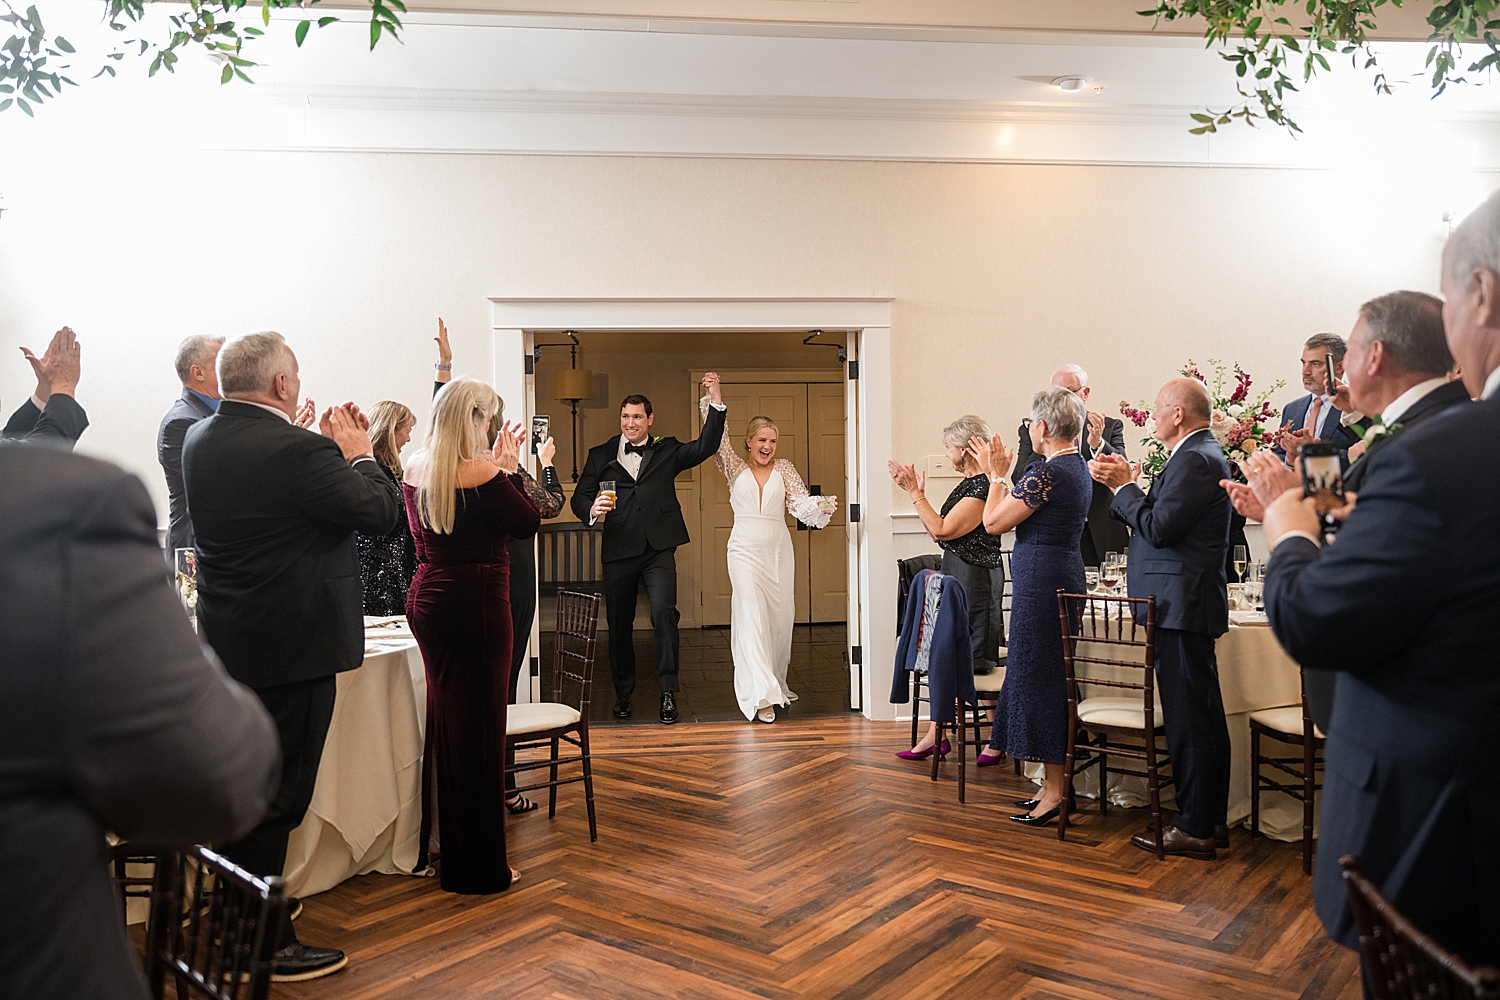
x: 1404, y: 604
x: 1180, y: 532
x: 950, y: 661
x: 186, y: 411
x: 1330, y: 429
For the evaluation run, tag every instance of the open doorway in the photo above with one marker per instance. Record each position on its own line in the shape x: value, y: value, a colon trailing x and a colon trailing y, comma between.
x: 801, y: 387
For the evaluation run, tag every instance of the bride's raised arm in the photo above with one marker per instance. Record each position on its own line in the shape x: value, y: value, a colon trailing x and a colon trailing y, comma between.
x: 815, y: 512
x: 728, y: 462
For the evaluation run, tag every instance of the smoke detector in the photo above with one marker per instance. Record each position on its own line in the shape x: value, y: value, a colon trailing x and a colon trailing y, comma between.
x: 1072, y: 84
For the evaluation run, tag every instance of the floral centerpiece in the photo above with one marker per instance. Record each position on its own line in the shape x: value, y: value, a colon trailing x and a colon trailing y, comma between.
x: 1241, y: 423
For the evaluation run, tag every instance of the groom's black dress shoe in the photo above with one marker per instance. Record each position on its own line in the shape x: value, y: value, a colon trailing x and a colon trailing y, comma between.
x: 622, y: 708
x: 298, y: 962
x: 1175, y: 843
x: 668, y: 708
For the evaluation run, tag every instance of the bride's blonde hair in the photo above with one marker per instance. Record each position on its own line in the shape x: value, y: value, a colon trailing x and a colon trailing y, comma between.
x: 456, y: 427
x: 758, y: 424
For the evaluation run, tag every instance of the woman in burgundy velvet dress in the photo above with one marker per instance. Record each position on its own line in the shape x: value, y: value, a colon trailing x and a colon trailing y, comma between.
x: 463, y: 502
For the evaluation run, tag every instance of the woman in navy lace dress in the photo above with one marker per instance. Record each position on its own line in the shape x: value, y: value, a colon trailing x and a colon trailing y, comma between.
x: 1047, y: 509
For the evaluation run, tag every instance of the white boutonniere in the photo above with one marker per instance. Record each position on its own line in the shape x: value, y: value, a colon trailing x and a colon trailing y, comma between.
x: 1375, y: 431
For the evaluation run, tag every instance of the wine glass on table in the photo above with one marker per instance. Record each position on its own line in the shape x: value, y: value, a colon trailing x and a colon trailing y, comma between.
x: 1112, y: 573
x: 1241, y: 560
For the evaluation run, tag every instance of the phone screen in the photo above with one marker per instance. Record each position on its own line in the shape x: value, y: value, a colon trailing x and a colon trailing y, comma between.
x: 1322, y: 476
x: 1328, y: 374
x: 541, y: 430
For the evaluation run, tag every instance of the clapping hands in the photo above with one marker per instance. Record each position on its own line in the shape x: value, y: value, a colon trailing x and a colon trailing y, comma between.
x: 993, y: 457
x: 506, y: 454
x: 59, y: 367
x: 348, y: 428
x: 1113, y: 471
x: 306, y: 414
x: 1268, y: 478
x: 908, y: 478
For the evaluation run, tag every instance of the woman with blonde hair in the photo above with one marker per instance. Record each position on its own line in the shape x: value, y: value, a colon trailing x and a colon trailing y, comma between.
x: 761, y: 563
x: 463, y: 502
x: 387, y: 562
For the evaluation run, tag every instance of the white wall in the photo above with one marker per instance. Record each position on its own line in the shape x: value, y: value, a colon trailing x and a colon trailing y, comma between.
x: 999, y: 272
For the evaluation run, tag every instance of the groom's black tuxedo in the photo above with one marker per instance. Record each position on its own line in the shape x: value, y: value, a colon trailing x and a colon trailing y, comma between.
x: 647, y: 514
x: 641, y: 536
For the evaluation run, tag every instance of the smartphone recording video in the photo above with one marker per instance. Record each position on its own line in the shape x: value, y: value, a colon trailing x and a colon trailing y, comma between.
x: 541, y: 430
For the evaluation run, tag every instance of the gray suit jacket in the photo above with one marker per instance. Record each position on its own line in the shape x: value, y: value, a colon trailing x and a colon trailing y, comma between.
x: 112, y: 717
x: 186, y: 411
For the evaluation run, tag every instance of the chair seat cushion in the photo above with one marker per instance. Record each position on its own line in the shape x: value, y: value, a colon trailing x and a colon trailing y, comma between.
x: 538, y: 718
x: 1107, y: 711
x: 991, y: 682
x: 1284, y: 720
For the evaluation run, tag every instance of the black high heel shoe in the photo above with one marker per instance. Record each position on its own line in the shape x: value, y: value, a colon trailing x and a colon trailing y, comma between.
x: 1026, y: 819
x: 1027, y: 804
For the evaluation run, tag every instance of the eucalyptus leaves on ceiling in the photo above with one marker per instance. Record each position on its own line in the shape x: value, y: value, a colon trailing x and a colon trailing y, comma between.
x: 1269, y: 47
x: 34, y: 63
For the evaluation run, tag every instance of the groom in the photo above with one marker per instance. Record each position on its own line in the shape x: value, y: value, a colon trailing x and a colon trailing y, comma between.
x: 642, y: 528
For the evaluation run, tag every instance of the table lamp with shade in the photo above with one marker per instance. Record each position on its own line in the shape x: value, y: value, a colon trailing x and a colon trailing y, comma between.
x: 573, y: 385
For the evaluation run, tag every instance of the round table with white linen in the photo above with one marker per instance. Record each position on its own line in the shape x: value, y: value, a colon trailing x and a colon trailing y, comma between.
x: 366, y: 812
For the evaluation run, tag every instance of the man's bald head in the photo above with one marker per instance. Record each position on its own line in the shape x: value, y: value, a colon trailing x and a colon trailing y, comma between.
x: 1192, y: 396
x: 1182, y: 406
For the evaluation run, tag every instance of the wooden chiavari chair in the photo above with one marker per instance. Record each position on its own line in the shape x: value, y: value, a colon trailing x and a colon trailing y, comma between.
x: 548, y: 724
x: 1402, y: 963
x: 1101, y: 633
x: 223, y: 949
x: 1293, y: 726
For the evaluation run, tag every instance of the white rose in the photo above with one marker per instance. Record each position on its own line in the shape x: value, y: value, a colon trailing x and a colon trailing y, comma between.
x: 1236, y: 410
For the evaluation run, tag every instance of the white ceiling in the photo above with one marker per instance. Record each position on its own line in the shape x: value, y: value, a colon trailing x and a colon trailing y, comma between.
x: 507, y: 83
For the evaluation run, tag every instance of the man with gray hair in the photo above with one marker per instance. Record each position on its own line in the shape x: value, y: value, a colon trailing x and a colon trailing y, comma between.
x: 1402, y: 607
x: 200, y: 398
x: 1396, y: 371
x: 275, y: 508
x: 1101, y: 435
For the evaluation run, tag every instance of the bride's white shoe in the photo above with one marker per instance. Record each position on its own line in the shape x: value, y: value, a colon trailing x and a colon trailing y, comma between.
x: 767, y: 714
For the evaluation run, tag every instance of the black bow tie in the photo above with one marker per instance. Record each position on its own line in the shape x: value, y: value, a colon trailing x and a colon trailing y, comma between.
x: 637, y: 449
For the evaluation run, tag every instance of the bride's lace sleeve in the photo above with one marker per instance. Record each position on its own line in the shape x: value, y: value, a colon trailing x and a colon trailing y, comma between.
x: 728, y: 462
x: 815, y: 512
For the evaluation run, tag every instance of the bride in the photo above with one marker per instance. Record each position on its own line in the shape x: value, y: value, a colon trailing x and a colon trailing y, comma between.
x: 761, y: 565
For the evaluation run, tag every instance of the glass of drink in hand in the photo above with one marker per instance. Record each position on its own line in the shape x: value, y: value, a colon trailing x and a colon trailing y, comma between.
x: 607, y: 490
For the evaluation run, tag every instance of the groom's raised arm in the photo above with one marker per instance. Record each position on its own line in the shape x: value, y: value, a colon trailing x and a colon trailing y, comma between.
x: 586, y: 490
x: 707, y: 445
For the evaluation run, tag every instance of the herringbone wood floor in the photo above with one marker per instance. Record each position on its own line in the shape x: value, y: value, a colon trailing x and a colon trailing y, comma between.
x: 739, y: 860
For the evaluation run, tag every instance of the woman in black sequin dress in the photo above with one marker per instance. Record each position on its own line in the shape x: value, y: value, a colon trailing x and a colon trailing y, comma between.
x: 387, y: 562
x: 970, y: 553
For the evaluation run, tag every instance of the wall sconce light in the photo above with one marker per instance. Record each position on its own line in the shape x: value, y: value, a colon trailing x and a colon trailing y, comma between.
x: 570, y: 385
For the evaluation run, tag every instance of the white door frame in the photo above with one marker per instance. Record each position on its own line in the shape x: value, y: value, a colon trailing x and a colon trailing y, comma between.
x: 867, y: 402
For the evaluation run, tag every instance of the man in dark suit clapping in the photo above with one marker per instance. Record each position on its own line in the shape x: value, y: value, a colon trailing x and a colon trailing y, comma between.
x: 643, y: 526
x: 1101, y: 436
x: 1403, y: 607
x: 1180, y: 532
x: 200, y: 399
x: 275, y: 508
x: 51, y: 416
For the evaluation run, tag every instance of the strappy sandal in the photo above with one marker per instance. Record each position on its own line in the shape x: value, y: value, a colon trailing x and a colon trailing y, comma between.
x: 517, y: 804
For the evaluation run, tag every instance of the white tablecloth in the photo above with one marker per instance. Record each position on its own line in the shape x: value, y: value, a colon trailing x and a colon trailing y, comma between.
x: 1254, y: 674
x: 366, y: 812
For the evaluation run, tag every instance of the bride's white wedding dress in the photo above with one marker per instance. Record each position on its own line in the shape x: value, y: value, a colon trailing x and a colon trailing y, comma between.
x: 762, y: 574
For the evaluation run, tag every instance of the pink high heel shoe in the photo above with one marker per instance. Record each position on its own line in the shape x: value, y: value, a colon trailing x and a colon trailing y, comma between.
x: 985, y: 760
x: 943, y: 751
